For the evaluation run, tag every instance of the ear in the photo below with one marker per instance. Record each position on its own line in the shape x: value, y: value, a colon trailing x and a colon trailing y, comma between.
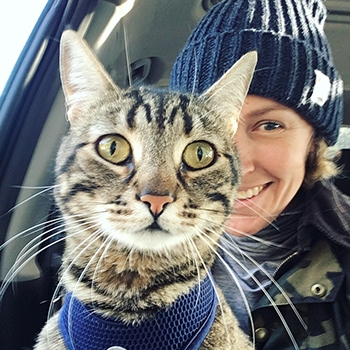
x: 83, y: 76
x: 227, y: 95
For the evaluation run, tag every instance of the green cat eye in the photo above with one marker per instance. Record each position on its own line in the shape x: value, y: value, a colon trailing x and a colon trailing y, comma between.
x: 114, y: 148
x: 198, y: 155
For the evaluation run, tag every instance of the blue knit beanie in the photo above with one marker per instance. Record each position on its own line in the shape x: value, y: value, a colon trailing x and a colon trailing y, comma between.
x: 295, y: 65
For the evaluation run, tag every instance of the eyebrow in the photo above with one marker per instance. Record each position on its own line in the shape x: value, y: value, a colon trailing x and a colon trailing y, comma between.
x: 262, y: 111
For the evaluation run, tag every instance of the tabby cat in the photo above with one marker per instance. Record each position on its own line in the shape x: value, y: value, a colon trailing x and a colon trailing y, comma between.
x: 146, y: 180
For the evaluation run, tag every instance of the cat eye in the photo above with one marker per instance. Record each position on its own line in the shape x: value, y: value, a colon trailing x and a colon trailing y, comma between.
x: 114, y: 148
x: 198, y: 155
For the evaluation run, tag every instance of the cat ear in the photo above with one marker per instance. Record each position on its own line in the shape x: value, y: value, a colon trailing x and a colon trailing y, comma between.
x: 83, y: 76
x: 227, y: 95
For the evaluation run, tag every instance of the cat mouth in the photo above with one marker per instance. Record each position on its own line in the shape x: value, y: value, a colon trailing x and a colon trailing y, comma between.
x: 154, y: 226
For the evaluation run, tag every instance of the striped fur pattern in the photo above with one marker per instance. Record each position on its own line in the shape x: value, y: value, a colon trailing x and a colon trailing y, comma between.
x: 143, y: 229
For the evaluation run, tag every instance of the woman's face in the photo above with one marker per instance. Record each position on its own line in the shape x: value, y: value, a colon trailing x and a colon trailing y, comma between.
x: 273, y: 142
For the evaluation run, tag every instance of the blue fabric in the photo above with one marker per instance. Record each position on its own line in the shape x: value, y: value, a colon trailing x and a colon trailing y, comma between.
x: 291, y: 45
x: 183, y: 326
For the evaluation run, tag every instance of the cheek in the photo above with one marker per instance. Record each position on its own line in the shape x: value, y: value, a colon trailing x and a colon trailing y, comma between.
x: 284, y: 162
x: 275, y: 158
x: 294, y: 168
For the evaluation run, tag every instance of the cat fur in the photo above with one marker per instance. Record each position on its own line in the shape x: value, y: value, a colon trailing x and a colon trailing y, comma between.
x: 113, y: 259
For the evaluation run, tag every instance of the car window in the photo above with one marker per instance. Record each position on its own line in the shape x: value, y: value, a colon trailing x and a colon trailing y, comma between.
x: 17, y: 19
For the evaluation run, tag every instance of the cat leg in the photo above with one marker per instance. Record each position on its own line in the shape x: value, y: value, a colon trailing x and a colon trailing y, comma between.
x: 50, y: 337
x: 225, y: 333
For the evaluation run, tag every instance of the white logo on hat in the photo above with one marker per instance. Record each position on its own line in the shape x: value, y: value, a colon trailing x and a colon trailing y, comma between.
x: 322, y: 88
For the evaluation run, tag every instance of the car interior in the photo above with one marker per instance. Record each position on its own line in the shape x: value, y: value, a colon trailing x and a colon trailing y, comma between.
x: 137, y: 41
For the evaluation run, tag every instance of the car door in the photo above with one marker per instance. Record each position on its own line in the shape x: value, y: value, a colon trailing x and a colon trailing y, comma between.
x: 137, y: 41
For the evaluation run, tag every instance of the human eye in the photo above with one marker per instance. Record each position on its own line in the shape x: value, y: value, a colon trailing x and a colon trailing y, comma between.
x: 269, y: 126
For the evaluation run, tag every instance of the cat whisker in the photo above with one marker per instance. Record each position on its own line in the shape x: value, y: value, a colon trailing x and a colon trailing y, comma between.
x: 26, y: 254
x: 242, y: 233
x: 30, y: 231
x: 268, y: 218
x: 20, y: 263
x: 91, y: 261
x: 46, y: 189
x: 271, y: 278
x: 36, y: 187
x: 60, y: 282
x: 260, y: 240
x: 107, y: 244
x: 241, y: 291
x: 211, y: 279
x: 37, y: 228
x: 193, y: 251
x: 263, y: 289
x: 76, y: 253
x: 269, y: 222
x: 232, y: 244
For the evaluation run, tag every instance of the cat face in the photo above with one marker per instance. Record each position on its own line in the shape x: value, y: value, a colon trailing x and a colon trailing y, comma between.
x: 146, y: 169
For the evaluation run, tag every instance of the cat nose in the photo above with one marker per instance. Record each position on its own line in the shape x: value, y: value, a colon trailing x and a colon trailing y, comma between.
x: 156, y: 203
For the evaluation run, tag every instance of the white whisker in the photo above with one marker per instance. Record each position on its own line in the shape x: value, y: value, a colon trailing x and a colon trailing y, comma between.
x: 46, y: 189
x: 258, y: 239
x: 263, y: 289
x: 26, y: 254
x: 193, y: 251
x: 18, y: 266
x: 242, y: 233
x: 98, y: 234
x: 107, y: 244
x: 76, y: 252
x: 212, y: 281
x: 235, y: 279
x: 267, y: 217
x: 60, y: 282
x: 30, y: 231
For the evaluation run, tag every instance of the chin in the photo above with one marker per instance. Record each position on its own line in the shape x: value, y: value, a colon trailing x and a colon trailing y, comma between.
x: 246, y: 225
x: 148, y: 240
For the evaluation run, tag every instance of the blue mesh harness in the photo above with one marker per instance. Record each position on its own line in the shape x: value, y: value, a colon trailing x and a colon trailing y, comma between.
x: 182, y: 326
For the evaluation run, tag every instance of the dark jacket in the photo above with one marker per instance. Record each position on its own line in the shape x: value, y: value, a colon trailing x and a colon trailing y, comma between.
x: 315, y: 279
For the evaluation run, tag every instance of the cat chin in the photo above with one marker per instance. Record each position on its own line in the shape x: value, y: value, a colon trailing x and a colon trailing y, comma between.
x: 149, y: 240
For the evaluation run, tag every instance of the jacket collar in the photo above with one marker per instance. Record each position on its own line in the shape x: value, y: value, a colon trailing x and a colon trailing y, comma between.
x: 327, y: 209
x: 326, y: 216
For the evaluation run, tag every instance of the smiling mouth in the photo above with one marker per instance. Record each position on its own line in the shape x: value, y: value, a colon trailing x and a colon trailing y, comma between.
x: 251, y: 192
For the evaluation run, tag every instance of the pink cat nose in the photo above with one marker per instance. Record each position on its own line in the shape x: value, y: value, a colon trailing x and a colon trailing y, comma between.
x: 156, y: 202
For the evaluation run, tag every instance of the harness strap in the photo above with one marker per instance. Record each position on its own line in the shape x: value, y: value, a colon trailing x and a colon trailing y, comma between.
x: 182, y: 326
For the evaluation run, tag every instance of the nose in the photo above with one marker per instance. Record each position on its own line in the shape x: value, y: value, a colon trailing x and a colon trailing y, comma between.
x: 245, y: 151
x: 247, y: 162
x: 156, y: 203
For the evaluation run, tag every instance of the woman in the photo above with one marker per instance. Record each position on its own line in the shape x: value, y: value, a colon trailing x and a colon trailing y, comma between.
x: 287, y: 244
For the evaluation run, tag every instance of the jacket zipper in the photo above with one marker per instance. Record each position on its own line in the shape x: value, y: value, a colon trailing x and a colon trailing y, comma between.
x: 288, y: 258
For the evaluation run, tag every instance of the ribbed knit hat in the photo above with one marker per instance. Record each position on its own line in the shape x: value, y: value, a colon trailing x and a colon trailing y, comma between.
x: 295, y: 65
